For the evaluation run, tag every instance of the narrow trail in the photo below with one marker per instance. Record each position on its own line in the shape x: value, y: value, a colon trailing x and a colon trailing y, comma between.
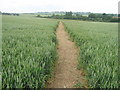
x: 66, y: 72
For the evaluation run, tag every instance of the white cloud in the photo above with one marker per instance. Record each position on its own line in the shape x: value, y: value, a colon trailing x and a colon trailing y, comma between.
x: 107, y: 6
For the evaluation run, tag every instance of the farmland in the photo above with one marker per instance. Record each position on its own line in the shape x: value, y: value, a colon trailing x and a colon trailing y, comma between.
x: 0, y: 34
x: 28, y: 52
x: 98, y: 54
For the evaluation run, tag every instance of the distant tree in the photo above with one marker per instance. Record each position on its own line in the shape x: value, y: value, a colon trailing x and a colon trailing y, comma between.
x: 38, y: 16
x: 106, y: 17
x: 15, y: 14
x: 104, y: 14
x: 77, y: 14
x: 118, y: 15
x: 6, y: 14
x: 68, y: 15
x: 115, y: 20
x: 92, y: 15
x: 53, y: 15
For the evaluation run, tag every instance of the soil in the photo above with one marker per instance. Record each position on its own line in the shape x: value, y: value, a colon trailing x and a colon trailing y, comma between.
x: 66, y: 74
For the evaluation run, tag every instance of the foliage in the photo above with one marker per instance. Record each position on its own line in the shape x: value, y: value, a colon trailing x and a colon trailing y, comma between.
x: 14, y: 14
x: 68, y: 15
x: 115, y: 20
x: 91, y: 17
x: 38, y: 16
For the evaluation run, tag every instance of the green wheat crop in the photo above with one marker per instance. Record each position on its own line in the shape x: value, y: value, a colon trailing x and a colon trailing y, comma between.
x: 98, y: 44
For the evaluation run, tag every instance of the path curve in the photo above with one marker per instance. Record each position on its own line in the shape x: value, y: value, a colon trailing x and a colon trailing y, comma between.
x: 66, y: 72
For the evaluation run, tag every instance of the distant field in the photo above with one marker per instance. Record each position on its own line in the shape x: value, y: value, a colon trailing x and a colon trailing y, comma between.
x: 28, y: 52
x: 98, y: 44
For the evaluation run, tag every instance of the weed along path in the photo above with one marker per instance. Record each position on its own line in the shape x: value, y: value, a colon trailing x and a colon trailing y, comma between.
x: 66, y: 73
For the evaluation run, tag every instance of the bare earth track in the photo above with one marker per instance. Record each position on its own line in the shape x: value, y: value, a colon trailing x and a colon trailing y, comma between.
x: 66, y: 72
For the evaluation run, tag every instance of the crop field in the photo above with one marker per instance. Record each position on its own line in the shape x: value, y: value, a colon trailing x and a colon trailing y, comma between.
x: 98, y: 44
x: 0, y: 51
x: 30, y: 47
x: 28, y: 51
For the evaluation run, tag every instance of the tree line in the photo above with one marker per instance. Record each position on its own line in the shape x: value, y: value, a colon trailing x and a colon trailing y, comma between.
x: 91, y: 17
x: 14, y: 14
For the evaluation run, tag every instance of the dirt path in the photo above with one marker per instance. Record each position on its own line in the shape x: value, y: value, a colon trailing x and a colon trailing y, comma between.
x: 66, y: 72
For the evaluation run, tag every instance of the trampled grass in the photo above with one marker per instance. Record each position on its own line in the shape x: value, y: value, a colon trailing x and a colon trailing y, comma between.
x: 28, y: 52
x: 98, y: 44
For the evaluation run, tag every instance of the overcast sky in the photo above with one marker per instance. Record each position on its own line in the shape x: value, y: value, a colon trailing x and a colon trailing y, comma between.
x: 29, y: 6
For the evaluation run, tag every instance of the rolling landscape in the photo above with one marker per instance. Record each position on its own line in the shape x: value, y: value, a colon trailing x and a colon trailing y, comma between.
x: 59, y: 49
